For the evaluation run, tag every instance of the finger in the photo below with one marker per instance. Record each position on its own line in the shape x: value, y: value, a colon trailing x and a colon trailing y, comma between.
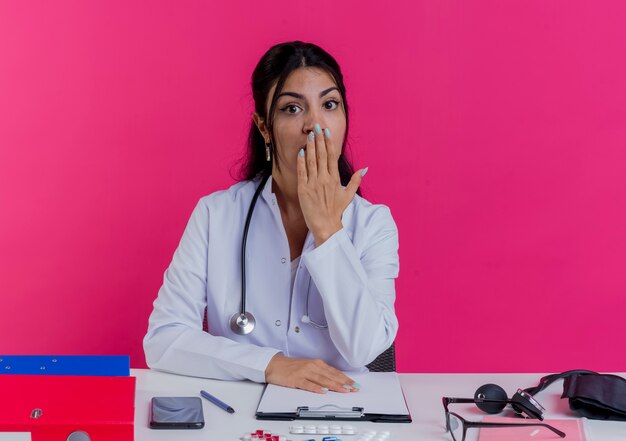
x: 355, y: 181
x: 320, y: 148
x: 346, y: 383
x: 329, y: 382
x: 327, y: 376
x: 311, y: 386
x: 311, y: 160
x: 301, y: 168
x: 345, y: 387
x: 333, y: 155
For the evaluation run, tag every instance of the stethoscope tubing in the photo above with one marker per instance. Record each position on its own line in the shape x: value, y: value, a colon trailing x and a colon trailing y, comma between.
x: 244, y: 323
x: 309, y: 320
x: 244, y: 240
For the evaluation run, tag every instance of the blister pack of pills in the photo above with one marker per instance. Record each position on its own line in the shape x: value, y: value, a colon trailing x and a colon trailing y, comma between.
x: 262, y: 435
x: 369, y: 435
x: 322, y: 429
x: 372, y: 435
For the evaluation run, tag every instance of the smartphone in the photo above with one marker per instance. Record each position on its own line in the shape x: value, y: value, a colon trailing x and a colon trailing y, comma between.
x: 176, y: 413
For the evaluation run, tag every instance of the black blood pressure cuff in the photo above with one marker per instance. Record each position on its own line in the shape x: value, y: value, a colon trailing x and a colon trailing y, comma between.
x: 597, y: 397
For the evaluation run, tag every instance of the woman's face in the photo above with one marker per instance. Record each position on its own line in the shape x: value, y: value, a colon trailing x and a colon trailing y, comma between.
x: 309, y: 96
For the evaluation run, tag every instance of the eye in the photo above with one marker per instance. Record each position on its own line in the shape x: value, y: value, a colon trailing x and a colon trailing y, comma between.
x: 331, y: 104
x: 292, y: 109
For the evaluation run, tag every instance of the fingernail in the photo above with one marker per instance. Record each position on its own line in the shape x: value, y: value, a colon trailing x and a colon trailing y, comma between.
x: 324, y: 389
x: 301, y: 152
x: 364, y: 171
x: 345, y: 386
x: 327, y: 133
x: 311, y: 136
x: 356, y: 385
x: 318, y: 129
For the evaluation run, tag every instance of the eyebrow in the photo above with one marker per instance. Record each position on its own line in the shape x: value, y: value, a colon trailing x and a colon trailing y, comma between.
x: 301, y: 97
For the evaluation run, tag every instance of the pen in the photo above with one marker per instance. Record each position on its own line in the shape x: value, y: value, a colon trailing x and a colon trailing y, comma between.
x: 216, y: 401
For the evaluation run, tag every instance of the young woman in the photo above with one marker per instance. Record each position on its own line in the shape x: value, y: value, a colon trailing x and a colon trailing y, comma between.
x: 320, y: 261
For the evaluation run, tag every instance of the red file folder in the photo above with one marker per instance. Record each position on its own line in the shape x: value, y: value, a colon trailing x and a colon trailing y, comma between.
x: 53, y: 407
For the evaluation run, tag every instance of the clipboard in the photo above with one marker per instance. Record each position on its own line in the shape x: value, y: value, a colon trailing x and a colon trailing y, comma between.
x: 380, y: 399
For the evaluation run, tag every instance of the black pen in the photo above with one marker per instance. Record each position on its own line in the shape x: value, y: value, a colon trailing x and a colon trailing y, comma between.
x: 216, y: 401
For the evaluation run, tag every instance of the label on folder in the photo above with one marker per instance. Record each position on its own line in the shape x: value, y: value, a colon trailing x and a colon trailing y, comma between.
x: 15, y: 436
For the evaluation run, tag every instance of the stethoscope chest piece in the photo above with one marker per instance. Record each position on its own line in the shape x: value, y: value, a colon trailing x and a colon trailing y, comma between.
x: 242, y: 323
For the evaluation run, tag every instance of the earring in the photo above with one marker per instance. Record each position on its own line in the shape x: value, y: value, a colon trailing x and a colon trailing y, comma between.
x: 268, y: 155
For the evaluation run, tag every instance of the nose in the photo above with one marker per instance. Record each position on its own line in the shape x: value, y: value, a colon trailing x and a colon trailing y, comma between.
x: 313, y: 117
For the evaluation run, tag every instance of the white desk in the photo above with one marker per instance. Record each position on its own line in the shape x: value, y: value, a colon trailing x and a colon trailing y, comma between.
x: 423, y: 394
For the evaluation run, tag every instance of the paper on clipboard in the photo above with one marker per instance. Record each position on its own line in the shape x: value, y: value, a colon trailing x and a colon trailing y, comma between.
x: 380, y: 393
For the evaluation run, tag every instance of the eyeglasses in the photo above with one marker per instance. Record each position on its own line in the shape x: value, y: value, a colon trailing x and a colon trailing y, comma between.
x: 457, y: 426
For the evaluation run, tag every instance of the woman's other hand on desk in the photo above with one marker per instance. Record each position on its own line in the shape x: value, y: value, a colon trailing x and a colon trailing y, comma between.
x: 309, y: 374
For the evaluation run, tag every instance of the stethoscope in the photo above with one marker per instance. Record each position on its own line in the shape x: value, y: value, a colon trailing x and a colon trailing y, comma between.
x: 243, y: 322
x: 306, y: 318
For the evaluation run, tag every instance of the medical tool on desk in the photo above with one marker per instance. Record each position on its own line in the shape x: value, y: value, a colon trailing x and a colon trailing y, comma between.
x: 243, y: 322
x: 591, y: 395
x: 491, y: 398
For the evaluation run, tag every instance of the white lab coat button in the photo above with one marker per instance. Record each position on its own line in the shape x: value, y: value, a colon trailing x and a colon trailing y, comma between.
x: 277, y: 322
x: 297, y: 329
x: 283, y: 260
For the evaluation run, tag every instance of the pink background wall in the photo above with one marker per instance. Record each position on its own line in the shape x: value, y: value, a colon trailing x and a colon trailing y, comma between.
x: 495, y: 131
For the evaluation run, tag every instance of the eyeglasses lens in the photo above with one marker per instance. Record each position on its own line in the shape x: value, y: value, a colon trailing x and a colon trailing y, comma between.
x: 456, y: 428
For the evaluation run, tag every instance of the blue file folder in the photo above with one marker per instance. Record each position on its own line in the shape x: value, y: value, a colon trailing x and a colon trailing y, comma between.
x: 92, y: 365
